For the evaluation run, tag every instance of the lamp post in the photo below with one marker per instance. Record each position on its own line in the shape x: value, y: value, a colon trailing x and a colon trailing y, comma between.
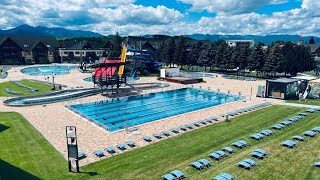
x: 53, y: 86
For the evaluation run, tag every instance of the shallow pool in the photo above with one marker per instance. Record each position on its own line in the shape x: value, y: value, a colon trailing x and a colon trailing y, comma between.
x: 47, y: 70
x: 119, y: 113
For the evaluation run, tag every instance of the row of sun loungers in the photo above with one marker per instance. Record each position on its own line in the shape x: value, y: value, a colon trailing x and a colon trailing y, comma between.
x: 247, y: 109
x: 291, y: 144
x: 112, y: 150
x: 223, y: 176
x: 250, y: 163
x: 175, y: 174
x: 201, y: 164
x: 262, y: 134
x: 185, y: 127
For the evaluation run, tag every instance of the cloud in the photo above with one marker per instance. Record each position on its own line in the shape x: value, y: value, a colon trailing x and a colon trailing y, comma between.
x: 229, y: 6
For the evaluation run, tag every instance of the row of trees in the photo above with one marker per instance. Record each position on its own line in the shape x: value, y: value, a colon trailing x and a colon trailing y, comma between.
x: 276, y: 58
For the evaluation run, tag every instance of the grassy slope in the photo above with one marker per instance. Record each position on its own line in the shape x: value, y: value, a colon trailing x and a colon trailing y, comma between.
x: 315, y: 102
x: 43, y: 88
x: 153, y: 161
x: 26, y: 149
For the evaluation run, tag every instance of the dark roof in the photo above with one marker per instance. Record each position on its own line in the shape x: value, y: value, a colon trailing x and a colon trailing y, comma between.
x: 29, y: 42
x: 313, y: 47
x: 283, y: 80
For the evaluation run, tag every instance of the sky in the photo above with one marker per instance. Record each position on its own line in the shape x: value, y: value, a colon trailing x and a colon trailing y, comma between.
x: 170, y: 17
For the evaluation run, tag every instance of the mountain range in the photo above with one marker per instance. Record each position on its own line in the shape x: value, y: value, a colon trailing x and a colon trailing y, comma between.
x: 26, y: 30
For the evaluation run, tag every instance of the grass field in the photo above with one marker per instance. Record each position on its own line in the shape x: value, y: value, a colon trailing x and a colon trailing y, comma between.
x: 27, y: 149
x: 43, y: 88
x: 315, y: 102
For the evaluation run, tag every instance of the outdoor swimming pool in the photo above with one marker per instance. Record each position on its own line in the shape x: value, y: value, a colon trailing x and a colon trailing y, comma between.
x: 47, y: 70
x: 119, y: 113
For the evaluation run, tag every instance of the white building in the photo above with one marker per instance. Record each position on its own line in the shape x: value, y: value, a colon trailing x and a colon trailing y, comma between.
x: 236, y: 43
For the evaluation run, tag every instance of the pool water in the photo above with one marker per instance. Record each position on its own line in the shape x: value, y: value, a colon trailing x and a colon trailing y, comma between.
x: 47, y: 70
x: 119, y: 113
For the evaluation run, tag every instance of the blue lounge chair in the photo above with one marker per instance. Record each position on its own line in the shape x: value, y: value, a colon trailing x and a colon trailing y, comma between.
x: 168, y: 177
x: 166, y: 133
x: 286, y: 123
x: 299, y: 138
x: 111, y: 150
x: 266, y: 132
x: 238, y: 145
x: 228, y: 149
x: 215, y: 156
x: 261, y: 151
x: 122, y: 147
x: 175, y: 130
x: 310, y: 133
x: 81, y: 155
x: 197, y: 165
x: 204, y: 122
x: 178, y: 174
x: 257, y: 136
x: 303, y: 114
x: 157, y: 135
x: 277, y: 127
x: 316, y: 129
x: 189, y: 126
x: 257, y: 155
x: 310, y: 110
x: 317, y: 164
x: 245, y: 143
x: 99, y: 153
x: 147, y: 138
x: 222, y: 153
x: 184, y: 128
x: 131, y: 144
x: 224, y: 176
x: 289, y: 144
x: 244, y: 165
x: 197, y: 124
x: 205, y: 162
x: 250, y: 161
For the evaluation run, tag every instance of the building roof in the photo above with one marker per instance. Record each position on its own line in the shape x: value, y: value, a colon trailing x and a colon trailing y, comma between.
x: 29, y: 42
x: 283, y: 80
x: 313, y: 47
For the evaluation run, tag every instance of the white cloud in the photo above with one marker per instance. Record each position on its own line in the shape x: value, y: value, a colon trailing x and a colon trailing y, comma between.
x: 229, y: 6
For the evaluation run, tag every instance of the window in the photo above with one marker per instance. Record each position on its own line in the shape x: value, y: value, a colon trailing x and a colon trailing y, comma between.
x: 65, y: 52
x: 77, y: 52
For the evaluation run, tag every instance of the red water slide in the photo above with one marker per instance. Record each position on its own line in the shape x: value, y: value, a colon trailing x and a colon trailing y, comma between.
x: 106, y: 71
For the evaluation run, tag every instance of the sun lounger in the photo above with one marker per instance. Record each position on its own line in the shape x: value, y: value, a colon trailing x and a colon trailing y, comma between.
x: 197, y: 165
x: 222, y: 153
x: 178, y: 174
x: 111, y: 150
x: 299, y: 138
x: 147, y: 138
x: 215, y: 156
x: 81, y: 155
x: 166, y: 133
x: 317, y: 164
x: 175, y: 130
x: 99, y: 153
x: 224, y: 176
x: 257, y: 155
x: 303, y: 114
x: 205, y: 162
x: 228, y: 149
x: 157, y: 135
x: 184, y: 128
x: 238, y: 144
x: 266, y: 132
x: 244, y: 165
x: 131, y: 144
x: 168, y: 177
x: 122, y: 147
x: 257, y: 136
x: 310, y: 133
x: 261, y: 151
x: 289, y: 144
x: 189, y: 126
x: 250, y: 161
x: 316, y: 129
x: 197, y: 124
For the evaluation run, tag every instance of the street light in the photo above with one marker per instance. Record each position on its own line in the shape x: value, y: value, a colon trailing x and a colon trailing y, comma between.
x: 53, y: 86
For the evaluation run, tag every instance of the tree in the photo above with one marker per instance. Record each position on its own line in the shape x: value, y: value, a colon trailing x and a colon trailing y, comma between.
x: 117, y: 47
x: 273, y: 63
x: 311, y: 41
x: 169, y: 46
x: 204, y: 57
x: 256, y: 59
x: 180, y: 52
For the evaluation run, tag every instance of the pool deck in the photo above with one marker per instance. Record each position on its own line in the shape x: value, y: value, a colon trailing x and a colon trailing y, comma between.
x: 51, y: 120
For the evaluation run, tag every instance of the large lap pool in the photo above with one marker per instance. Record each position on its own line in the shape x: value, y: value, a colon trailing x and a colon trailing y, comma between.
x: 47, y: 70
x: 119, y: 113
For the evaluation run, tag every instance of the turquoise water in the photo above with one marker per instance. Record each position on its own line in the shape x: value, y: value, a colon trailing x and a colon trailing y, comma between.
x: 117, y: 114
x: 47, y: 70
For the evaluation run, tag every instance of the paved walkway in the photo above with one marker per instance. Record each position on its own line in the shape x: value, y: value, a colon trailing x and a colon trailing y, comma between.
x: 299, y: 105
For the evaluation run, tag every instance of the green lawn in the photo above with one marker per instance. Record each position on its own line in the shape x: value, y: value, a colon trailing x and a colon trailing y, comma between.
x: 315, y: 102
x: 152, y: 161
x: 43, y: 88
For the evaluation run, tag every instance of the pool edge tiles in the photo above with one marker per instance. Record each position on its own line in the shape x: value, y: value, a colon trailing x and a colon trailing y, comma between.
x: 146, y: 108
